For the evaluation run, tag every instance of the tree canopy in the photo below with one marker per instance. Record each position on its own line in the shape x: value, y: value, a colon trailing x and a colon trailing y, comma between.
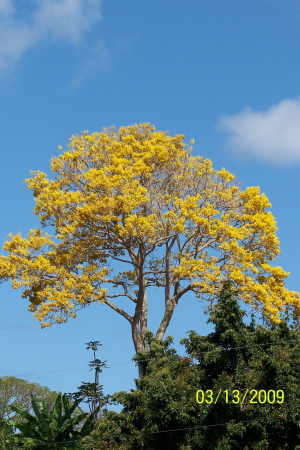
x: 17, y: 392
x: 135, y: 199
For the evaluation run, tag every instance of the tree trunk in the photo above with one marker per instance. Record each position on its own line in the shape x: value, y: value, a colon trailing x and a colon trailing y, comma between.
x: 165, y: 320
x: 139, y: 327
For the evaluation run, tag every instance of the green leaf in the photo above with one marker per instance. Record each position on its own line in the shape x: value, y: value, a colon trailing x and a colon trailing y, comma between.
x: 40, y: 414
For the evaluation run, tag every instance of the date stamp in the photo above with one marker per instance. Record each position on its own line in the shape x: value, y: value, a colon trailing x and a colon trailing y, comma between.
x: 236, y: 396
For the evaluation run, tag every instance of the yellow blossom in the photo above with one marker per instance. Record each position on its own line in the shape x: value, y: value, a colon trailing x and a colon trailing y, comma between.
x: 135, y: 197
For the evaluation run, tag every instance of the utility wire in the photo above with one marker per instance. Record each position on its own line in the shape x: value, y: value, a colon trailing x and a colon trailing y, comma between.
x: 130, y: 362
x: 104, y: 438
x: 162, y: 357
x: 92, y: 317
x: 96, y: 316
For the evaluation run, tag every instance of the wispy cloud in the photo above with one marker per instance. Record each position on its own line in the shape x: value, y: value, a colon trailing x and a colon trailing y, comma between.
x: 272, y: 135
x: 95, y: 57
x: 6, y: 7
x: 66, y: 20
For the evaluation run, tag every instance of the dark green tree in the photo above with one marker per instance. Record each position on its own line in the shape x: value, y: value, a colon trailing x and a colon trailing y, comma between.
x: 164, y: 399
x: 240, y: 357
x: 163, y: 412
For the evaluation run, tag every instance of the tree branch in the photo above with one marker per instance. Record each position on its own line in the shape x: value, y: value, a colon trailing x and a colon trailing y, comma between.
x: 122, y: 260
x: 125, y: 294
x: 118, y: 310
x: 169, y: 310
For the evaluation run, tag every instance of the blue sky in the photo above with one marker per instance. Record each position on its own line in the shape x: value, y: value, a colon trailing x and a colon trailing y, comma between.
x: 224, y: 73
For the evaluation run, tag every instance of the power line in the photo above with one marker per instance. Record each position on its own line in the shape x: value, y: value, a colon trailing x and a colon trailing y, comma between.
x: 162, y: 357
x: 93, y: 317
x: 130, y: 362
x: 104, y: 438
x: 96, y: 316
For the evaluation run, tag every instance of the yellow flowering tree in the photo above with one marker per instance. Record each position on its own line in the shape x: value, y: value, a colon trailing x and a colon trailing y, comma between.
x: 137, y: 197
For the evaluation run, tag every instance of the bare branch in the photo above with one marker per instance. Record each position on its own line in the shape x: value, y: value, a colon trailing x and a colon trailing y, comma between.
x: 154, y: 272
x: 122, y: 260
x: 118, y: 310
x: 181, y: 292
x: 125, y: 294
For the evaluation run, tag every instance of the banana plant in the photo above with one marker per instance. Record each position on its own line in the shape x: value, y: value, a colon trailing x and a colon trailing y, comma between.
x: 48, y: 427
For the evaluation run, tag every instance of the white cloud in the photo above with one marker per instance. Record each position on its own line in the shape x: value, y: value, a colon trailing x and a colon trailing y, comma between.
x: 272, y: 135
x: 66, y: 20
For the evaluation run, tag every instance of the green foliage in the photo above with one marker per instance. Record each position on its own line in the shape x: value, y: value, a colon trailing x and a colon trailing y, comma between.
x: 240, y: 357
x: 6, y: 435
x: 165, y: 399
x: 53, y: 426
x: 163, y: 412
